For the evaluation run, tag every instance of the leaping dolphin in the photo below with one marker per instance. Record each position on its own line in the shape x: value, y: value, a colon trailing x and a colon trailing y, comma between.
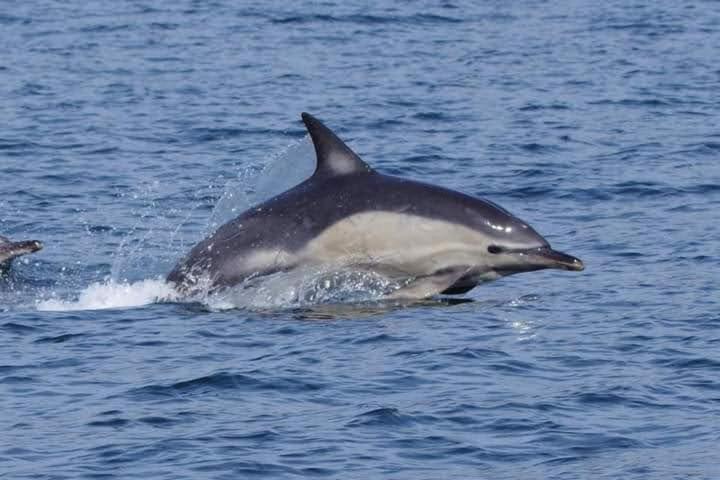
x: 11, y: 250
x: 347, y: 216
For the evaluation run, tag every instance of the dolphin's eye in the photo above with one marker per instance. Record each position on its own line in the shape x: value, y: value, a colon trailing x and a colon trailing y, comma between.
x: 495, y: 249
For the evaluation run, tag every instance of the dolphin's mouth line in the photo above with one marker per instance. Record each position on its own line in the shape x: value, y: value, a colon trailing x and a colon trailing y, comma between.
x: 546, y: 257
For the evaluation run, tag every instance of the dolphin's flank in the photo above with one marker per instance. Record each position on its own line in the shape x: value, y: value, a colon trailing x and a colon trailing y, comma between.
x: 347, y: 216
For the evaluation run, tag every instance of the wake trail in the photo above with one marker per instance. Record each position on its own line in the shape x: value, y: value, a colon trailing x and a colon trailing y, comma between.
x: 113, y: 294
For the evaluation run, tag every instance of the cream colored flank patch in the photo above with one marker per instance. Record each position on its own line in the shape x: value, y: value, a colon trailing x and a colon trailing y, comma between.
x: 259, y: 260
x: 409, y: 244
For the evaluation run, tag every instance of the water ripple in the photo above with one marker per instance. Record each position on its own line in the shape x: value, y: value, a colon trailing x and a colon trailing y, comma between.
x: 222, y: 381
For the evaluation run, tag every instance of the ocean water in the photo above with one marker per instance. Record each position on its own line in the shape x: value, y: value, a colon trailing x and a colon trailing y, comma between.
x: 130, y: 130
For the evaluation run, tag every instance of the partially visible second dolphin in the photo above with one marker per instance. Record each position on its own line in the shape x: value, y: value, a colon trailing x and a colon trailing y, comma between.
x: 427, y: 239
x: 10, y: 250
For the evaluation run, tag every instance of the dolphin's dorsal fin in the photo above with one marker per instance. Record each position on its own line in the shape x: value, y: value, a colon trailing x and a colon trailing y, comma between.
x: 333, y: 156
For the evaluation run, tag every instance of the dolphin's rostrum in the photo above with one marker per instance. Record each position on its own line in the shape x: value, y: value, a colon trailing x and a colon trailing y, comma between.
x: 347, y: 216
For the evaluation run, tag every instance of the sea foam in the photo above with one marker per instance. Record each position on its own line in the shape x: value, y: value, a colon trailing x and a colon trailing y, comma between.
x: 113, y: 294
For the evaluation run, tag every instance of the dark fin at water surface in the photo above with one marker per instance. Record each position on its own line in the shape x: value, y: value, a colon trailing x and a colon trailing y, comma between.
x: 11, y: 250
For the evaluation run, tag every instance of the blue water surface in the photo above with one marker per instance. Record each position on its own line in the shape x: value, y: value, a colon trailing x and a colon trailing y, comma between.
x: 130, y: 130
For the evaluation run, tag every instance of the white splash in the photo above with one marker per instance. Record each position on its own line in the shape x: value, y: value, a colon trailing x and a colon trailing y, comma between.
x: 302, y: 288
x: 112, y: 294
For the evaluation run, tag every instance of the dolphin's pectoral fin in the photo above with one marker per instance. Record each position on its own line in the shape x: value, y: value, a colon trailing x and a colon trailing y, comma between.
x: 333, y: 156
x: 429, y: 285
x: 458, y: 290
x: 463, y: 285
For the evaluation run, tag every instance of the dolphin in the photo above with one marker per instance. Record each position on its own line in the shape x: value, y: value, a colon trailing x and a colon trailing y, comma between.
x: 10, y: 250
x: 428, y: 239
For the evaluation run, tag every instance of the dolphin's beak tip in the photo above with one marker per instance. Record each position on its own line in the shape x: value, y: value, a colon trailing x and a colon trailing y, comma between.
x: 550, y: 258
x: 573, y: 264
